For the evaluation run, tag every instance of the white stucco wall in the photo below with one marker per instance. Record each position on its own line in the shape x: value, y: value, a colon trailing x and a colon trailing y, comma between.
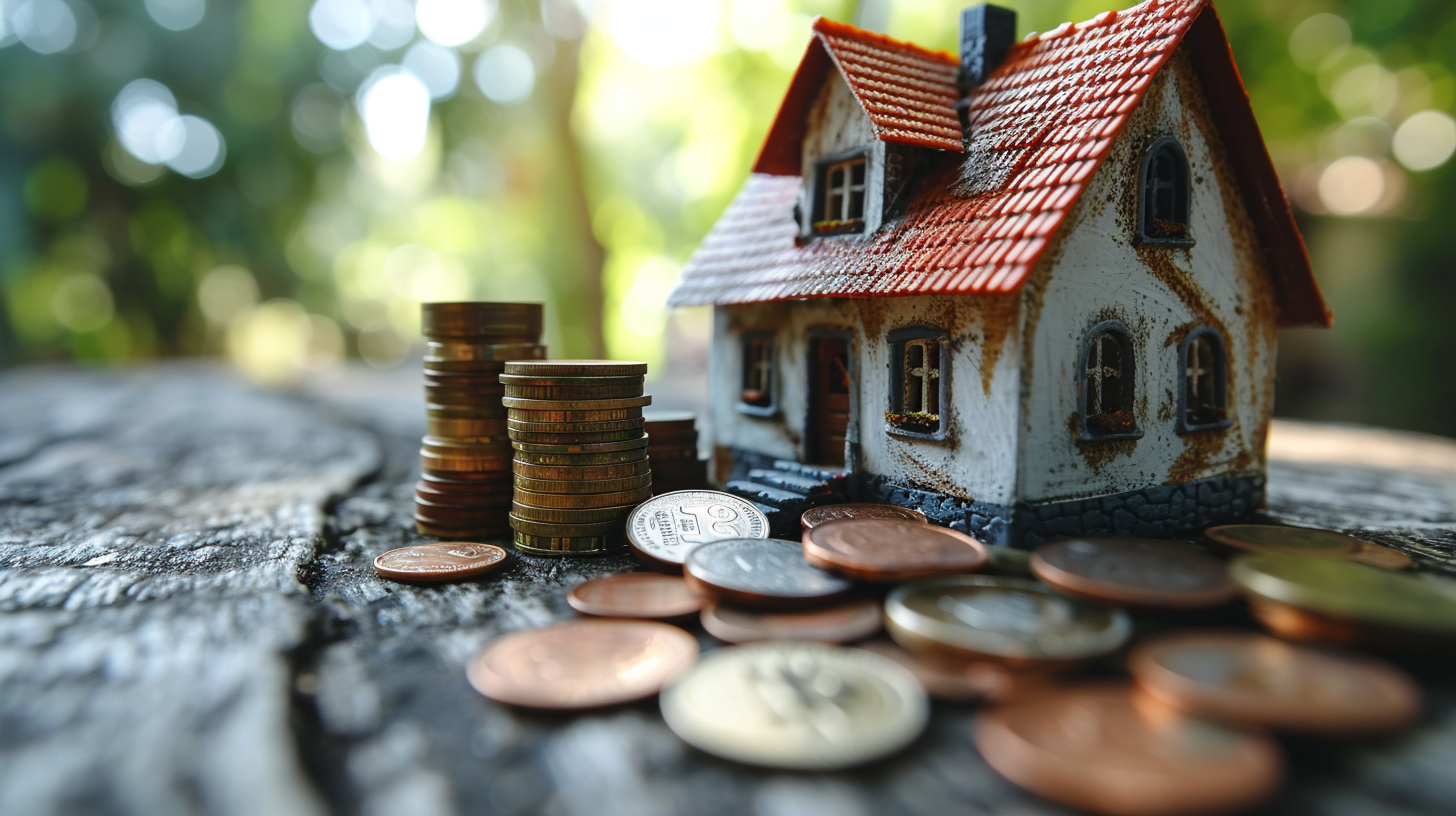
x: 977, y: 458
x: 837, y: 123
x: 1096, y: 272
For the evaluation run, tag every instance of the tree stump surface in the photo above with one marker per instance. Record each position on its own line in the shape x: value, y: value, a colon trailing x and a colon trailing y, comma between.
x: 190, y: 623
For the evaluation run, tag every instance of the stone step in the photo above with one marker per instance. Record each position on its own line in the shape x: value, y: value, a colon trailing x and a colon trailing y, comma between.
x: 817, y: 473
x: 792, y: 482
x: 764, y: 494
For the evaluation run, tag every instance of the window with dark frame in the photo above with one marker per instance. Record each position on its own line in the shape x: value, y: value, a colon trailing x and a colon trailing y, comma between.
x: 758, y: 374
x: 1166, y: 193
x: 1204, y: 375
x: 917, y: 390
x: 1107, y: 389
x: 843, y: 194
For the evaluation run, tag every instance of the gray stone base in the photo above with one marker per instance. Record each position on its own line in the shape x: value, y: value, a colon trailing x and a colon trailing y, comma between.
x: 1163, y: 510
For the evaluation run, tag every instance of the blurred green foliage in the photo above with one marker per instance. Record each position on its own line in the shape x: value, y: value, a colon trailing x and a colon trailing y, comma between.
x: 307, y: 246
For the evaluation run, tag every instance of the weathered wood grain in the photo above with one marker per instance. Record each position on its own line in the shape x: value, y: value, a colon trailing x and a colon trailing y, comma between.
x: 189, y: 624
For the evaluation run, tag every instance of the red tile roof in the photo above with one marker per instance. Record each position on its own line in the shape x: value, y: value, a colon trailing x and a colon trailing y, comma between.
x: 1040, y: 126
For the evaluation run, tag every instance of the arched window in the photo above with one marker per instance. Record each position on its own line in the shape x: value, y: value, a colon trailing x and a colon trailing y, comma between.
x: 1203, y: 398
x: 918, y: 382
x: 1166, y: 190
x: 1107, y: 387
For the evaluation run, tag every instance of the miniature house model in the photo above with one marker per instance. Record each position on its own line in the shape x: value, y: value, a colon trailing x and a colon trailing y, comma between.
x: 1032, y: 290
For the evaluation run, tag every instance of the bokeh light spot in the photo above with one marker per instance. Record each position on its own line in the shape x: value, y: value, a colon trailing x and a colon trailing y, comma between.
x: 342, y: 24
x: 45, y: 26
x: 664, y: 32
x: 1351, y: 185
x: 82, y: 302
x: 226, y: 292
x: 436, y: 66
x: 453, y: 22
x: 144, y: 114
x: 394, y: 24
x: 383, y: 347
x: 318, y: 117
x: 1425, y: 140
x: 1318, y: 38
x: 55, y: 189
x: 177, y: 15
x: 395, y: 105
x: 505, y: 74
x: 202, y: 150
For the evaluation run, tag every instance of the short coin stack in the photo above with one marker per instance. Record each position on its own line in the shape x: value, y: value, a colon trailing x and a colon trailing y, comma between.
x: 465, y: 461
x: 673, y: 451
x: 580, y: 453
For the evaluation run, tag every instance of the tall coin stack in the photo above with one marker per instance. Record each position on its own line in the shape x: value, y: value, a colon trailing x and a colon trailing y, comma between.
x: 465, y: 485
x: 672, y: 448
x: 580, y: 453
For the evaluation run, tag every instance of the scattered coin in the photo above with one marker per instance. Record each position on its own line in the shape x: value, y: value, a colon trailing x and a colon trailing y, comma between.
x: 1008, y: 619
x: 1091, y: 747
x: 964, y: 681
x: 890, y: 550
x: 815, y: 516
x: 1242, y: 678
x: 1401, y: 604
x: 663, y: 528
x: 439, y: 561
x: 800, y: 706
x: 839, y: 624
x: 1277, y: 540
x: 768, y: 573
x: 635, y: 595
x: 583, y: 664
x: 1008, y: 561
x: 1135, y: 572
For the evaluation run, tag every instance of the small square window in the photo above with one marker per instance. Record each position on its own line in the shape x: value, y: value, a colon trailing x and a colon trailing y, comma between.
x: 757, y: 392
x: 842, y: 197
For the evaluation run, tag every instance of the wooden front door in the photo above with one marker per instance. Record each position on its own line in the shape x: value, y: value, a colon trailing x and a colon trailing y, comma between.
x: 828, y: 401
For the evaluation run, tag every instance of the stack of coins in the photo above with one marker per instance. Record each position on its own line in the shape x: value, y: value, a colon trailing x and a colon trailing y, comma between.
x: 580, y: 453
x: 673, y: 452
x: 465, y: 461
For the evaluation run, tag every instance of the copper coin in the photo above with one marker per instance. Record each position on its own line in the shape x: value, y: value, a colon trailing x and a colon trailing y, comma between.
x: 480, y: 318
x: 1092, y: 747
x: 551, y: 406
x: 1135, y: 572
x: 583, y: 500
x: 576, y: 368
x: 583, y: 459
x: 635, y: 595
x: 815, y: 516
x: 584, y: 487
x: 582, y: 473
x: 1008, y: 561
x: 964, y: 681
x: 563, y: 417
x: 582, y: 664
x: 1279, y: 540
x: 839, y: 624
x: 633, y: 443
x: 566, y: 392
x: 891, y: 550
x: 439, y: 561
x: 768, y: 573
x: 437, y: 351
x: 1374, y: 555
x: 1246, y: 679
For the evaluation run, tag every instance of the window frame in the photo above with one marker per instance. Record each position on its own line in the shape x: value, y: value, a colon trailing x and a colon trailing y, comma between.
x: 1220, y: 379
x: 1128, y: 376
x: 770, y: 408
x: 1146, y: 203
x: 898, y: 341
x: 822, y: 168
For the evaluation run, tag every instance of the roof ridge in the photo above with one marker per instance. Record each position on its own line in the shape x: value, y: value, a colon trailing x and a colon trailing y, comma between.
x: 828, y: 27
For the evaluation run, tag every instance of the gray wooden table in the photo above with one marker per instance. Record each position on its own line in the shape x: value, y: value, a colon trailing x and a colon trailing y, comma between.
x: 189, y: 624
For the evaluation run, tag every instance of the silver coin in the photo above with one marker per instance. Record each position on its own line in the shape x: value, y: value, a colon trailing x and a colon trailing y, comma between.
x: 796, y: 705
x: 665, y: 527
x: 1006, y: 618
x: 760, y: 572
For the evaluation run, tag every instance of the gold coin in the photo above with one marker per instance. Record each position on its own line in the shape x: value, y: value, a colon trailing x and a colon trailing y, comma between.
x: 576, y: 368
x: 597, y: 438
x: 490, y: 446
x: 450, y: 351
x: 605, y: 447
x: 584, y: 487
x: 564, y: 530
x: 581, y: 472
x: 463, y: 464
x: 1279, y: 540
x: 1423, y: 604
x: 634, y: 424
x: 571, y: 417
x: 574, y: 405
x: 581, y: 501
x: 527, y: 380
x: 580, y: 459
x: 578, y: 545
x: 446, y: 428
x: 504, y: 320
x: 487, y: 410
x: 579, y: 515
x: 553, y: 392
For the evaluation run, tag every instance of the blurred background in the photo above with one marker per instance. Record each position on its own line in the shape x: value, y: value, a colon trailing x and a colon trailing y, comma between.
x: 282, y: 183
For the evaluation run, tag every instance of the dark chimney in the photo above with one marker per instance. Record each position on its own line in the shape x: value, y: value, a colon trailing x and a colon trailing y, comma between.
x: 987, y: 33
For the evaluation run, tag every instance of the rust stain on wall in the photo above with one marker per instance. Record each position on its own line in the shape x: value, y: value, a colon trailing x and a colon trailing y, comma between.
x: 999, y: 317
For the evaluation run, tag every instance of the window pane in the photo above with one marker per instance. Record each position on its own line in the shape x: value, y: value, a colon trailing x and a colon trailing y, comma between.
x: 856, y: 205
x: 857, y: 173
x: 834, y: 206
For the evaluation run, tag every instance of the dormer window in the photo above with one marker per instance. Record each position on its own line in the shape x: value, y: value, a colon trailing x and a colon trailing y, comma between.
x: 1166, y: 191
x: 841, y: 196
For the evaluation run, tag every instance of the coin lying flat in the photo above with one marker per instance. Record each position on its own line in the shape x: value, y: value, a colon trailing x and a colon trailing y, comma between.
x: 963, y: 681
x: 576, y: 368
x: 767, y: 573
x: 796, y: 705
x: 583, y: 664
x: 1007, y: 619
x: 837, y: 624
x: 439, y: 561
x: 1091, y: 747
x: 635, y: 595
x: 663, y: 528
x: 1273, y: 539
x: 815, y: 516
x: 1135, y: 571
x: 891, y: 550
x: 1424, y: 605
x: 1008, y: 561
x: 1242, y: 678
